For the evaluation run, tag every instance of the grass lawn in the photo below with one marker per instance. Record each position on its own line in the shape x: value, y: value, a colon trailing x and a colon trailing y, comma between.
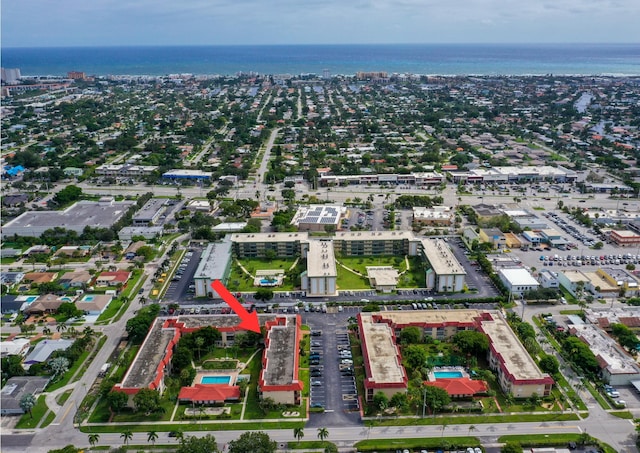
x: 542, y: 440
x: 473, y: 419
x: 30, y: 421
x: 240, y: 281
x: 348, y: 280
x: 61, y: 399
x: 360, y: 263
x: 416, y: 443
x: 256, y: 264
x: 69, y: 374
x: 48, y: 419
x: 309, y: 445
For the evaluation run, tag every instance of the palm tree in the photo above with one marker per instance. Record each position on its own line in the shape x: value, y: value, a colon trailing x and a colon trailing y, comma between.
x: 127, y: 436
x: 444, y: 426
x: 151, y: 437
x: 298, y: 433
x: 199, y: 341
x: 46, y: 331
x: 61, y: 327
x: 27, y: 402
x: 323, y: 433
x: 179, y: 436
x: 93, y: 439
x: 472, y: 428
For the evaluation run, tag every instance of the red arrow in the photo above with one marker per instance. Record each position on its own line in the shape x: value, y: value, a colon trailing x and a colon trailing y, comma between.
x: 249, y: 320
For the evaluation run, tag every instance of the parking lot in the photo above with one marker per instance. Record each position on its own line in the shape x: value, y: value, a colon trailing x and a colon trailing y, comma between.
x: 180, y: 288
x: 332, y: 380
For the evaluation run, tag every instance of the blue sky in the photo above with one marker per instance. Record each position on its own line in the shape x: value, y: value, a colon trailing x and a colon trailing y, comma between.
x: 40, y: 23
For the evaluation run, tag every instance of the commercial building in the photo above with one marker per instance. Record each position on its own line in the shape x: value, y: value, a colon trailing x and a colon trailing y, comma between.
x: 187, y: 174
x: 494, y: 237
x: 625, y: 238
x: 102, y: 214
x: 621, y: 279
x: 419, y: 179
x: 147, y: 232
x: 436, y: 216
x: 511, y: 174
x: 444, y: 273
x: 125, y: 170
x: 150, y: 212
x: 616, y: 366
x: 215, y: 264
x: 318, y: 217
x: 518, y: 281
x: 517, y: 371
x: 321, y: 275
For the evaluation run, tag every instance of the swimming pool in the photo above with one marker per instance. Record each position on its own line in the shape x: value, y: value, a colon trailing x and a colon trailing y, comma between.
x: 66, y: 299
x: 216, y: 380
x: 447, y: 374
x: 87, y: 299
x: 30, y: 299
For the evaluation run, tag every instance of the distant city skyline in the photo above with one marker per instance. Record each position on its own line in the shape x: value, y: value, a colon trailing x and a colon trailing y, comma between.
x: 42, y: 23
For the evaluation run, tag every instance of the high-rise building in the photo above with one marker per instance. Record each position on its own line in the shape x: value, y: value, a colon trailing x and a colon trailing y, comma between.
x: 10, y: 76
x: 326, y: 74
x: 76, y: 75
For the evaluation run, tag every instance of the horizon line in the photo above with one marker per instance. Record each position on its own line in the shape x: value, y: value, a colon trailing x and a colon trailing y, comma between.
x: 106, y: 46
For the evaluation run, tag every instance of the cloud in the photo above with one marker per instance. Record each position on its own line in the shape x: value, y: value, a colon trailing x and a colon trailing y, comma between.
x: 113, y: 22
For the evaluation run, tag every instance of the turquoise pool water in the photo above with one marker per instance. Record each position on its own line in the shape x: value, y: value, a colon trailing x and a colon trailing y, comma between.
x: 447, y: 374
x: 66, y: 299
x: 87, y: 298
x: 31, y: 298
x: 215, y: 380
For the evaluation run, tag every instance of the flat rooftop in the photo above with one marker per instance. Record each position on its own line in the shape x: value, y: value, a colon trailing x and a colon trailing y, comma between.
x: 318, y: 215
x: 142, y: 371
x: 515, y: 357
x: 321, y: 261
x: 383, y: 275
x: 373, y: 235
x: 269, y: 237
x: 606, y: 350
x: 382, y: 353
x: 519, y: 277
x: 441, y: 258
x: 430, y: 317
x: 150, y: 210
x: 280, y: 366
x: 76, y: 217
x: 214, y: 260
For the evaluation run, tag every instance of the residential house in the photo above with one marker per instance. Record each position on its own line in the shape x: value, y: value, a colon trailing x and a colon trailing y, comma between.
x: 113, y: 278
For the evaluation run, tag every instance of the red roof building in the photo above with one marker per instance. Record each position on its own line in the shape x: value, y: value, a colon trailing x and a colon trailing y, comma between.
x: 113, y: 278
x: 460, y: 387
x: 209, y: 394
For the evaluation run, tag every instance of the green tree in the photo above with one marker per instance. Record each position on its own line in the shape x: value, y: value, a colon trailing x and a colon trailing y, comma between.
x: 436, y: 398
x: 400, y: 401
x: 323, y: 433
x: 117, y: 400
x: 254, y: 442
x: 298, y: 433
x: 67, y: 195
x: 58, y: 366
x: 471, y: 342
x: 549, y: 364
x: 193, y: 444
x: 380, y: 401
x: 263, y: 294
x: 152, y: 436
x: 27, y: 402
x: 126, y: 436
x: 147, y: 400
x: 511, y: 447
x: 94, y: 438
x: 410, y: 335
x: 414, y: 356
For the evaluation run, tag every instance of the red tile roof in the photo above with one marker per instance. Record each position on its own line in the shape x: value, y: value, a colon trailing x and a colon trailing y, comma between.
x: 460, y: 386
x: 209, y: 392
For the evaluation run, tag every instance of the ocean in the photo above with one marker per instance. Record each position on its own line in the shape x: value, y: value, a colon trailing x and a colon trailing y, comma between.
x: 443, y: 59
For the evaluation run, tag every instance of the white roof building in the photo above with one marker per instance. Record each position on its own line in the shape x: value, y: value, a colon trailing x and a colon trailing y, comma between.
x: 518, y: 281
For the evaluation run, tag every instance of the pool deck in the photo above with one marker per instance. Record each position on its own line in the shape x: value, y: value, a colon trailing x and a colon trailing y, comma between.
x: 445, y: 369
x: 232, y: 374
